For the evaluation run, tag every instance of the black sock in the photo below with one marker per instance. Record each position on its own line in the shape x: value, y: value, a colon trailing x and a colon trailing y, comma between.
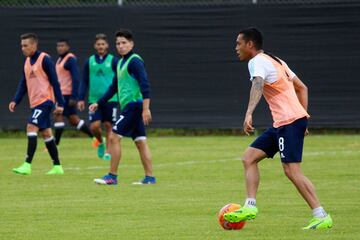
x: 59, y: 129
x: 52, y: 149
x: 58, y: 133
x: 85, y: 129
x: 31, y: 148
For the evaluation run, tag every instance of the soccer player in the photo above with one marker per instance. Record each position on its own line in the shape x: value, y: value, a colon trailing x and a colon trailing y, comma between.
x: 39, y: 80
x: 287, y: 98
x: 68, y: 75
x: 99, y: 71
x: 132, y: 85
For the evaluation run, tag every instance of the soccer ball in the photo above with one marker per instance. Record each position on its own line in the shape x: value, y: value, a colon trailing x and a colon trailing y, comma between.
x: 228, y: 225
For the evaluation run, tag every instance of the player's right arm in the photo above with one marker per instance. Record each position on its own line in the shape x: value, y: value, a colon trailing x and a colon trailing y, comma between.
x: 83, y: 86
x: 20, y: 92
x: 256, y: 92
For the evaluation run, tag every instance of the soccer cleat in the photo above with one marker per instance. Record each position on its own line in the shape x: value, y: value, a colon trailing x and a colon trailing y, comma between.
x: 106, y: 180
x: 24, y: 169
x: 57, y: 169
x: 319, y: 223
x: 95, y: 142
x: 101, y: 150
x: 243, y: 214
x: 146, y: 180
x: 107, y: 157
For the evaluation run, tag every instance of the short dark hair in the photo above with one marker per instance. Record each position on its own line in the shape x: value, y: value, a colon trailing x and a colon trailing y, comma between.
x: 101, y: 36
x: 126, y: 33
x: 32, y: 36
x: 254, y: 35
x: 64, y: 40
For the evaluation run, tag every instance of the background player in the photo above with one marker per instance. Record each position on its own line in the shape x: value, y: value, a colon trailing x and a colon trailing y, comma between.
x: 99, y: 71
x: 132, y: 85
x: 287, y: 97
x: 39, y: 80
x: 68, y: 76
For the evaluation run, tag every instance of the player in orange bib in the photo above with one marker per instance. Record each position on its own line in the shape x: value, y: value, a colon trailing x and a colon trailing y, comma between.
x: 68, y: 75
x: 287, y: 98
x: 40, y: 82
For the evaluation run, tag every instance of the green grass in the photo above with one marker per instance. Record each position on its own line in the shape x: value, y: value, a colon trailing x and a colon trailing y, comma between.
x: 196, y: 177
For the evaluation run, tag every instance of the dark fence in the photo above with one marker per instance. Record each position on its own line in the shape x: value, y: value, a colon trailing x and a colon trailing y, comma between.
x: 197, y: 81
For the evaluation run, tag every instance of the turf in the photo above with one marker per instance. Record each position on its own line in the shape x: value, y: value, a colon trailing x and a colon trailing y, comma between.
x: 196, y: 177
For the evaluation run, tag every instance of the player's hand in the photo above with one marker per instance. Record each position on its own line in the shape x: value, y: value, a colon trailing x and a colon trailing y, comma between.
x: 58, y: 110
x: 81, y: 105
x: 12, y: 105
x: 93, y: 107
x: 248, y: 128
x: 306, y: 132
x: 146, y: 115
x: 72, y: 102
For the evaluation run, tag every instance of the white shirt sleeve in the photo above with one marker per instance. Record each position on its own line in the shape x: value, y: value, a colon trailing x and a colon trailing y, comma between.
x: 256, y: 68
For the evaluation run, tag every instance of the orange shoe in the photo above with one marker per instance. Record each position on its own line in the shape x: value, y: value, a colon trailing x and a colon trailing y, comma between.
x: 95, y: 142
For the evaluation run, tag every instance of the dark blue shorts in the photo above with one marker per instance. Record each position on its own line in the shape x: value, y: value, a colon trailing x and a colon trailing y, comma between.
x: 288, y: 139
x: 68, y: 110
x: 41, y: 115
x: 105, y: 113
x: 130, y: 122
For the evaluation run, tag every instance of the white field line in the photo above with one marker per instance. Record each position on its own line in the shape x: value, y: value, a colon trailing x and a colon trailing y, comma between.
x: 189, y: 163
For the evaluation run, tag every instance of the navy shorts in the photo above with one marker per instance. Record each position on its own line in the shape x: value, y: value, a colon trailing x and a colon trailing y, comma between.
x: 41, y: 115
x: 287, y: 139
x: 105, y: 113
x: 130, y: 122
x: 69, y: 110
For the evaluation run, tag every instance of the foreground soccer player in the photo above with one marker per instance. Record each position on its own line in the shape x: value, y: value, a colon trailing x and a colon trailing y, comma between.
x: 68, y: 76
x: 287, y: 97
x: 132, y: 86
x: 39, y: 80
x: 99, y: 71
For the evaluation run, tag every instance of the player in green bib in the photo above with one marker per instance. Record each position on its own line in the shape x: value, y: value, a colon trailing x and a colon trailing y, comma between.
x: 132, y: 86
x: 99, y: 71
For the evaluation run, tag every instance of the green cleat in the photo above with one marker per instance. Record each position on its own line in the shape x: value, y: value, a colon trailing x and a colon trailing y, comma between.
x: 101, y: 150
x: 320, y: 223
x: 24, y: 169
x: 107, y: 157
x: 243, y: 214
x: 57, y: 169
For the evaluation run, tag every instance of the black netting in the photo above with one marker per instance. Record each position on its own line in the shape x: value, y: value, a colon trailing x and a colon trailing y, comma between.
x: 85, y: 3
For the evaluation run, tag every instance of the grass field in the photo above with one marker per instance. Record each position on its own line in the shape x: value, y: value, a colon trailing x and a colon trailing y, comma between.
x: 196, y: 177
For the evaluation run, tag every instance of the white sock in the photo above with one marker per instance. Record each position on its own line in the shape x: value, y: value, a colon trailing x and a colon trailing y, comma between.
x: 319, y: 212
x: 250, y: 202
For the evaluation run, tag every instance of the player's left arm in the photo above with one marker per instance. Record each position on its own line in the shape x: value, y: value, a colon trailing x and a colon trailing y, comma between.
x: 138, y: 71
x: 301, y: 91
x: 71, y: 66
x: 50, y: 71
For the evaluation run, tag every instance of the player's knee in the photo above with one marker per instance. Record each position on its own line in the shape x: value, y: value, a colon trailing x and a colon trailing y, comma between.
x: 114, y: 139
x: 94, y: 128
x: 74, y: 121
x: 291, y: 173
x: 247, y: 159
x: 140, y: 144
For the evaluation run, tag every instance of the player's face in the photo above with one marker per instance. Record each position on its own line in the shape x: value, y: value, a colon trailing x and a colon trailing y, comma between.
x: 101, y: 47
x: 123, y: 45
x: 243, y: 48
x: 62, y: 48
x: 28, y: 47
